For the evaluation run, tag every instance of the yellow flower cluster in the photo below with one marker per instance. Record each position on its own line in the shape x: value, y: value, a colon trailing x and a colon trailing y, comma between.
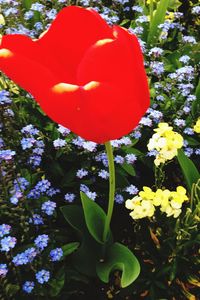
x: 144, y: 204
x: 166, y: 142
x: 197, y: 126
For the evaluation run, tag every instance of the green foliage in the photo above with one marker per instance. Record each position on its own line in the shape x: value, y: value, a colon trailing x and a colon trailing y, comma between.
x: 119, y: 257
x: 158, y: 18
x: 95, y: 219
x: 189, y: 170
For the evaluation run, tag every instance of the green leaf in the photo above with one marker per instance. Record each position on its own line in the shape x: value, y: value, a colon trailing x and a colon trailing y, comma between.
x: 158, y: 19
x: 189, y: 170
x: 119, y: 257
x: 95, y: 218
x: 74, y: 216
x: 70, y: 248
x: 57, y: 283
x: 27, y: 4
x: 129, y: 169
x: 86, y: 256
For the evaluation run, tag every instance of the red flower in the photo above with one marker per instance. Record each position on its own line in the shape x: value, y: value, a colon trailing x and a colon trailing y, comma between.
x: 85, y: 75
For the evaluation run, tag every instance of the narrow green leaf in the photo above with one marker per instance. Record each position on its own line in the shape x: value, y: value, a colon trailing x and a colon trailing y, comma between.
x: 129, y: 169
x: 94, y: 217
x: 189, y: 170
x: 158, y: 18
x: 70, y: 248
x: 119, y: 257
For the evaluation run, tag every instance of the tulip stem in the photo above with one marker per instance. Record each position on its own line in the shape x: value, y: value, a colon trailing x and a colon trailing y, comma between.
x: 111, y: 189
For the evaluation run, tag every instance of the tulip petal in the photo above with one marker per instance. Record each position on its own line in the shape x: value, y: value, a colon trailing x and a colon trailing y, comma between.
x: 30, y: 75
x: 73, y: 31
x: 140, y: 78
x: 26, y: 47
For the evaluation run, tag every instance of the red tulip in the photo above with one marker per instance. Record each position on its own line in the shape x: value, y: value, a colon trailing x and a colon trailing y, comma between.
x: 85, y: 75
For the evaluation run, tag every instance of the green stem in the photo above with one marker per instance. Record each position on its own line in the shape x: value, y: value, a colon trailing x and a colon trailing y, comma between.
x: 111, y: 189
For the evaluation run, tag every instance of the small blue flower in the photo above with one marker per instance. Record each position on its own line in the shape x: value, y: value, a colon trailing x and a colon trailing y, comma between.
x: 5, y: 98
x: 3, y: 270
x: 36, y: 219
x: 130, y: 158
x: 43, y: 276
x: 103, y: 174
x: 48, y: 207
x: 63, y: 130
x: 30, y: 129
x: 8, y: 243
x: 81, y: 173
x: 132, y: 189
x: 4, y: 229
x: 56, y: 254
x: 28, y: 286
x: 6, y: 155
x: 41, y: 241
x: 59, y: 143
x: 119, y: 198
x: 69, y: 197
x: 25, y: 257
x: 119, y: 159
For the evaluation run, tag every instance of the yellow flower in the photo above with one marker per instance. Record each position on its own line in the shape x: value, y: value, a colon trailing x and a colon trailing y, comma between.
x: 132, y: 203
x: 166, y: 142
x: 197, y: 126
x: 161, y: 197
x: 147, y: 193
x: 145, y: 209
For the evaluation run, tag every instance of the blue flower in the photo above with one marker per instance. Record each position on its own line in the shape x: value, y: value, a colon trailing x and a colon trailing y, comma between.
x: 59, y: 143
x: 103, y: 174
x: 4, y: 229
x: 3, y: 270
x: 25, y: 257
x: 8, y: 243
x: 48, y: 207
x: 56, y: 254
x: 6, y: 155
x: 28, y: 286
x: 130, y: 158
x: 41, y: 241
x: 63, y: 130
x: 5, y: 98
x: 36, y: 219
x: 119, y: 159
x: 81, y: 173
x: 119, y: 198
x: 30, y: 129
x: 69, y: 197
x: 132, y: 189
x: 43, y: 276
